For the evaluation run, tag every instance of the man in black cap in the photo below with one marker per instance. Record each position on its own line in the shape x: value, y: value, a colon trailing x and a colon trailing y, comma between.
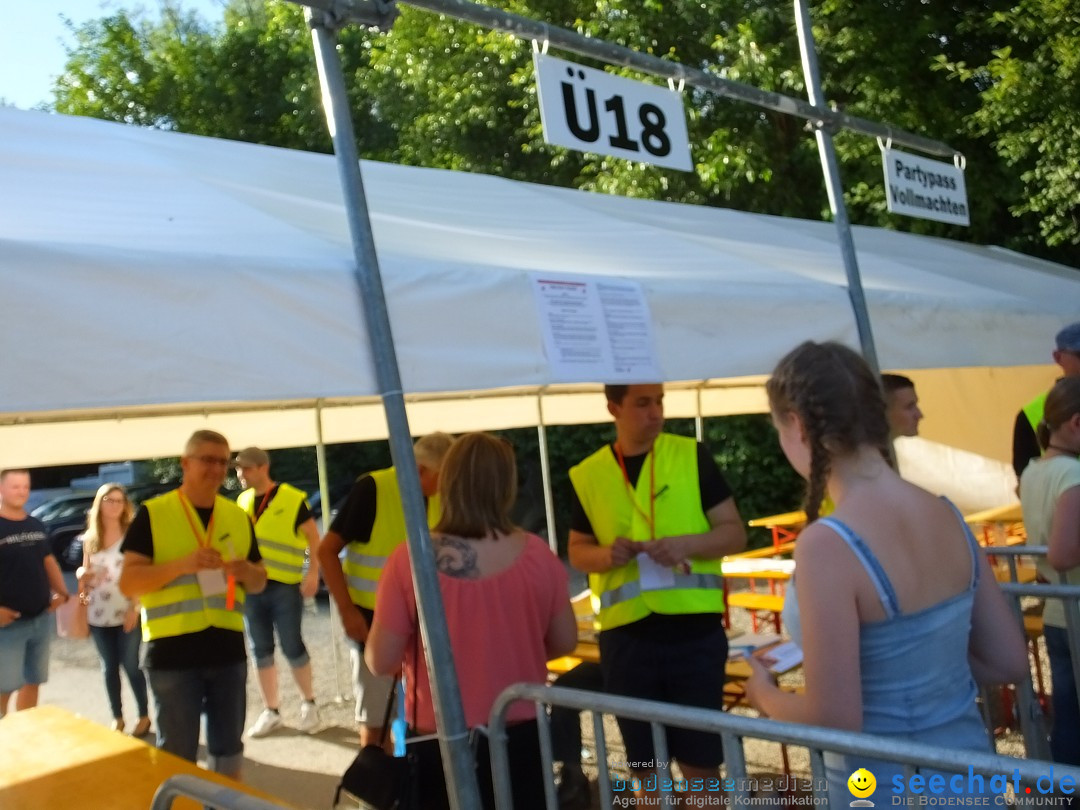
x: 1067, y: 355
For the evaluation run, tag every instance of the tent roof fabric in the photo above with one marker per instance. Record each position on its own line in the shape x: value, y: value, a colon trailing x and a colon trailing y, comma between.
x: 145, y: 269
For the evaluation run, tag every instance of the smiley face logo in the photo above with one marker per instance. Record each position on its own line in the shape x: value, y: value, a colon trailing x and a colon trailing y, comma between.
x: 861, y: 783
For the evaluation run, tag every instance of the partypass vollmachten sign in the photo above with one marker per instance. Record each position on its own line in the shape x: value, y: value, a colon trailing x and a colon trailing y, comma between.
x: 924, y: 188
x: 592, y: 111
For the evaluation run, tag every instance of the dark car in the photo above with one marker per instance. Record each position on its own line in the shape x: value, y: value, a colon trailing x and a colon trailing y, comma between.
x: 64, y: 518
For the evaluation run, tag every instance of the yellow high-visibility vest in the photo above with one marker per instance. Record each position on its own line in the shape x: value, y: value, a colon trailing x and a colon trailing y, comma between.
x: 179, y: 607
x: 364, y: 561
x: 617, y: 595
x: 281, y: 543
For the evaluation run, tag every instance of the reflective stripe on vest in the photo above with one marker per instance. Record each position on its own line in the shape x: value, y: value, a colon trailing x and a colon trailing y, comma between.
x: 281, y: 543
x: 617, y: 594
x: 179, y: 608
x: 364, y: 562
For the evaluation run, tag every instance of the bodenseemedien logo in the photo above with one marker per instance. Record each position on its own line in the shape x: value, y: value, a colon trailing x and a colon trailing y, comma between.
x: 861, y: 785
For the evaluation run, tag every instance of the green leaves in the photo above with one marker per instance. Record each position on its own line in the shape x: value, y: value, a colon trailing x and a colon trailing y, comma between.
x: 996, y: 79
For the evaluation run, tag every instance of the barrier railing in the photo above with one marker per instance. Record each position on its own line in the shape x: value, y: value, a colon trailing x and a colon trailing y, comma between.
x: 733, y: 730
x: 210, y: 793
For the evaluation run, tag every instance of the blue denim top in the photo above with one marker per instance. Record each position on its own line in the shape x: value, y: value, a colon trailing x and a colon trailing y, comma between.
x: 916, y: 679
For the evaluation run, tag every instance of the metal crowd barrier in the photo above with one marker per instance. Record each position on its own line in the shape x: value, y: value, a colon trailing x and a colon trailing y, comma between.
x: 733, y: 730
x: 1029, y: 713
x: 211, y: 793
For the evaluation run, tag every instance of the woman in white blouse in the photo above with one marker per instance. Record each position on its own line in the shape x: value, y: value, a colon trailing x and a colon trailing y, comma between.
x: 113, y: 618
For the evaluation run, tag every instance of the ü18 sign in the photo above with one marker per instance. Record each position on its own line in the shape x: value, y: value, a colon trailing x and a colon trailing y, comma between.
x: 593, y: 111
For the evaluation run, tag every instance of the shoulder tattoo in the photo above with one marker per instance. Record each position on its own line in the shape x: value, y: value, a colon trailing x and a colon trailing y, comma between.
x: 456, y: 557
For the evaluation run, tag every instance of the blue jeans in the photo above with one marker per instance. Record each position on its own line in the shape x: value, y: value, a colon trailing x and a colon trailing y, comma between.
x: 280, y: 606
x: 119, y: 649
x: 184, y: 695
x: 1065, y: 733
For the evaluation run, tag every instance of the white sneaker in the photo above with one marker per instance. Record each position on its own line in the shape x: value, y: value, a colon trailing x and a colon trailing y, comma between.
x: 309, y: 718
x: 266, y: 722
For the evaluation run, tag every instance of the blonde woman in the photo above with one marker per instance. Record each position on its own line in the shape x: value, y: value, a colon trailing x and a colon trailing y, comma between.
x: 507, y: 609
x: 113, y: 618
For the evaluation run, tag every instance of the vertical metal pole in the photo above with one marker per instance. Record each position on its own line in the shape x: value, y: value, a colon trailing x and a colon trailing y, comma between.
x: 324, y: 494
x: 458, y: 764
x: 545, y: 472
x: 834, y: 187
x: 699, y: 422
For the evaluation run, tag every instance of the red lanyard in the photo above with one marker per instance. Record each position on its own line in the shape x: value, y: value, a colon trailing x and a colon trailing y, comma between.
x: 262, y: 504
x: 203, y: 541
x: 650, y: 518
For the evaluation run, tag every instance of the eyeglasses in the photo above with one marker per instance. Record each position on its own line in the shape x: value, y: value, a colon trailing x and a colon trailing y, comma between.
x: 112, y: 500
x: 212, y: 461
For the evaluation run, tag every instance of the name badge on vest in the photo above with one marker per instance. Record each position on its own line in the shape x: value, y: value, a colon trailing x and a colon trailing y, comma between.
x: 211, y: 581
x: 652, y: 575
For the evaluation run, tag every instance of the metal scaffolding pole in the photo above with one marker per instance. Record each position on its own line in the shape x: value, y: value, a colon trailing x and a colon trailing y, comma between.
x: 545, y: 472
x: 365, y: 11
x: 458, y: 763
x: 834, y: 187
x: 324, y: 496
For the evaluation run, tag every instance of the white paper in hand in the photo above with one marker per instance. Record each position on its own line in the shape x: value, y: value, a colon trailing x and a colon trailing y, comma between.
x: 211, y: 581
x: 652, y: 575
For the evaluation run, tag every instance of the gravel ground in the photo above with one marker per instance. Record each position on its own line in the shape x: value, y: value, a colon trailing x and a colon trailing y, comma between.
x: 303, y: 770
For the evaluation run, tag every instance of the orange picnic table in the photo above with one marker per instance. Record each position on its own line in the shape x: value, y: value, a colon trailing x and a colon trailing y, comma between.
x: 53, y: 758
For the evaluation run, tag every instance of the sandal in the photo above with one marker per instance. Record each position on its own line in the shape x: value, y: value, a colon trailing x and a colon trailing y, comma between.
x: 142, y: 728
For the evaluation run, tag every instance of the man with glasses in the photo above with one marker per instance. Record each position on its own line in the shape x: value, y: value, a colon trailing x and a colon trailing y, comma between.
x: 285, y: 530
x: 191, y: 558
x: 1025, y: 445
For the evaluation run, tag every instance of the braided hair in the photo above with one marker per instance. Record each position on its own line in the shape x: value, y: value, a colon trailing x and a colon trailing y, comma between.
x: 839, y: 402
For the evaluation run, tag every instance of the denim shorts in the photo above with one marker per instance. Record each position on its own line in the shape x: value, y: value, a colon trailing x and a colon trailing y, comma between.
x: 24, y: 652
x: 280, y: 606
x: 183, y: 696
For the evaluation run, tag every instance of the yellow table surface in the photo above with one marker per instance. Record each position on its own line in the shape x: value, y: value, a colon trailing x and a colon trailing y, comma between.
x: 51, y: 758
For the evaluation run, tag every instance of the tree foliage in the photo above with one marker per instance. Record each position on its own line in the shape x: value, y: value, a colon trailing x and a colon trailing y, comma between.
x: 998, y: 79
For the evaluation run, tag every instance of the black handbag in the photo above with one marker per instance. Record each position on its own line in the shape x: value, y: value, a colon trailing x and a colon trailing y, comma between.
x: 379, y: 779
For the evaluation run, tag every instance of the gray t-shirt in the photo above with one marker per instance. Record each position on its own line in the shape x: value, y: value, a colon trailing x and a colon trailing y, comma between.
x: 1043, y: 482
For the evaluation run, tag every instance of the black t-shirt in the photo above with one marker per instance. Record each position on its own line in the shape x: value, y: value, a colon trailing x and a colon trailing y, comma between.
x: 303, y: 514
x: 212, y: 647
x: 24, y: 585
x: 714, y: 489
x: 354, y: 521
x: 1025, y: 444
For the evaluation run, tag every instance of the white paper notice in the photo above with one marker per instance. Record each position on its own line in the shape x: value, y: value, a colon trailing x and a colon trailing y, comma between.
x: 652, y: 575
x: 596, y: 330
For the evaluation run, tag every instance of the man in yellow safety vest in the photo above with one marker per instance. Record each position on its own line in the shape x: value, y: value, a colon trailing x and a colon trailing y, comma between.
x: 651, y: 519
x: 191, y: 558
x: 370, y: 525
x: 1067, y: 355
x: 285, y: 531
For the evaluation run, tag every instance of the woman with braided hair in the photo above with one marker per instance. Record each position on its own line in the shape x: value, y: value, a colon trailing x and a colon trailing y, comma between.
x: 898, y: 613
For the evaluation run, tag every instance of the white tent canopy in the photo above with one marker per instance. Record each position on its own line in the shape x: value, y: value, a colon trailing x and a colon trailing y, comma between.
x: 155, y: 282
